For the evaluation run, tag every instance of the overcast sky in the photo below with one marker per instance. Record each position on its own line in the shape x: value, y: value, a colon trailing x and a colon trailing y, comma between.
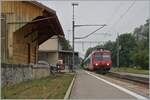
x: 133, y: 14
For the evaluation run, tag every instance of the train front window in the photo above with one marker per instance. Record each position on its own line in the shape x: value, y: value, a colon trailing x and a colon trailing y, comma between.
x: 98, y: 57
x: 106, y: 57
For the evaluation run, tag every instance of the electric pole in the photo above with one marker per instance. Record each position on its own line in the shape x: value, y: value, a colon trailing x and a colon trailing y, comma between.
x: 73, y: 31
x: 73, y: 26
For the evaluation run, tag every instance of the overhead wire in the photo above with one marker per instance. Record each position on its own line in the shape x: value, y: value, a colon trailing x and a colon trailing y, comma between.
x: 112, y: 16
x: 114, y: 13
x: 125, y: 12
x: 116, y: 22
x: 121, y: 16
x: 90, y: 33
x: 116, y: 9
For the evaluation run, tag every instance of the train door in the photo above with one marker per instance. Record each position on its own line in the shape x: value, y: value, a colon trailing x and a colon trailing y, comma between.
x: 91, y: 63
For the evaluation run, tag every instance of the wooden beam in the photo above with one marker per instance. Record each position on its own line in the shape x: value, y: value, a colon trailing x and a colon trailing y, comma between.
x: 32, y: 30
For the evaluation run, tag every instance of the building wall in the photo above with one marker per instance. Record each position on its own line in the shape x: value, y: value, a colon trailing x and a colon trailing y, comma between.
x: 67, y: 58
x: 59, y: 45
x: 53, y: 57
x: 49, y: 50
x: 17, y: 13
x: 50, y: 44
x: 24, y: 50
x: 43, y: 56
x: 52, y: 47
x: 3, y: 38
x: 50, y: 57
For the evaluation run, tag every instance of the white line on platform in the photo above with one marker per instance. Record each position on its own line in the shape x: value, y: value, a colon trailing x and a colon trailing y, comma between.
x: 120, y: 88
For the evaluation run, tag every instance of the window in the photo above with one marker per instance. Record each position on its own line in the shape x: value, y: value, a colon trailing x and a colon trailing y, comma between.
x: 98, y: 56
x: 106, y: 57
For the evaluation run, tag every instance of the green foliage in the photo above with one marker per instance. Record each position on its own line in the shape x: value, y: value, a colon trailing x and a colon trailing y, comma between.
x: 127, y: 43
x: 133, y: 48
x: 65, y: 44
x: 82, y: 64
x: 88, y: 51
x: 136, y: 70
x: 140, y: 54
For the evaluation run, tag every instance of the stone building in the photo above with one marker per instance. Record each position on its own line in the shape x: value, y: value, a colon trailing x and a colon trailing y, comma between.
x: 52, y: 51
x: 24, y: 26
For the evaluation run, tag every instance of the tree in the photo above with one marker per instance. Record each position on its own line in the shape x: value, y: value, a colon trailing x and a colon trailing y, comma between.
x: 142, y: 32
x: 127, y: 43
x: 134, y: 47
x: 65, y: 44
x: 140, y: 54
x: 89, y: 50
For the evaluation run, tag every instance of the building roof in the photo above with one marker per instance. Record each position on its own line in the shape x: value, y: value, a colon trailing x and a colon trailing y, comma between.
x: 61, y: 51
x: 42, y: 6
x: 46, y: 25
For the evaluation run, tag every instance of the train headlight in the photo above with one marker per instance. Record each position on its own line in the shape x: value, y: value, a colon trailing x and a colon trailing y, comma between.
x: 96, y: 64
x: 107, y: 64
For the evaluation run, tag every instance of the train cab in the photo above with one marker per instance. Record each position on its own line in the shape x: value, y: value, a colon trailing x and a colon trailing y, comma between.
x: 99, y: 59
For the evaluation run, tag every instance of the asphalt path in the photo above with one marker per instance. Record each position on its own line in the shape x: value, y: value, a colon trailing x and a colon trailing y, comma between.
x: 89, y: 86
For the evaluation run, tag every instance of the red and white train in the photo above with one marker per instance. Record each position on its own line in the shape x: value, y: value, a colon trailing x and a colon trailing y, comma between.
x: 99, y: 59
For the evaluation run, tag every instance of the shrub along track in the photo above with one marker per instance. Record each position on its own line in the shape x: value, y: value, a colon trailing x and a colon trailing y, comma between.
x: 128, y: 79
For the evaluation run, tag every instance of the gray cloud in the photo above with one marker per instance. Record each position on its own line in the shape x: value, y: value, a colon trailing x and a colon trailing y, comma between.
x: 100, y: 12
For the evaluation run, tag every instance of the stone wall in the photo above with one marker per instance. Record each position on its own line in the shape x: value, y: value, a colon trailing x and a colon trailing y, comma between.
x: 15, y: 73
x: 39, y: 72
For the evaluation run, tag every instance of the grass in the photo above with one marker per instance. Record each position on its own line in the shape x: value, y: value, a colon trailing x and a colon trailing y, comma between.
x: 131, y: 70
x: 45, y: 88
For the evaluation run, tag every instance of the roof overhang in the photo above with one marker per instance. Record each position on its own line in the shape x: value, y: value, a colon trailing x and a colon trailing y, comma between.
x: 42, y: 6
x: 60, y: 51
x: 46, y: 25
